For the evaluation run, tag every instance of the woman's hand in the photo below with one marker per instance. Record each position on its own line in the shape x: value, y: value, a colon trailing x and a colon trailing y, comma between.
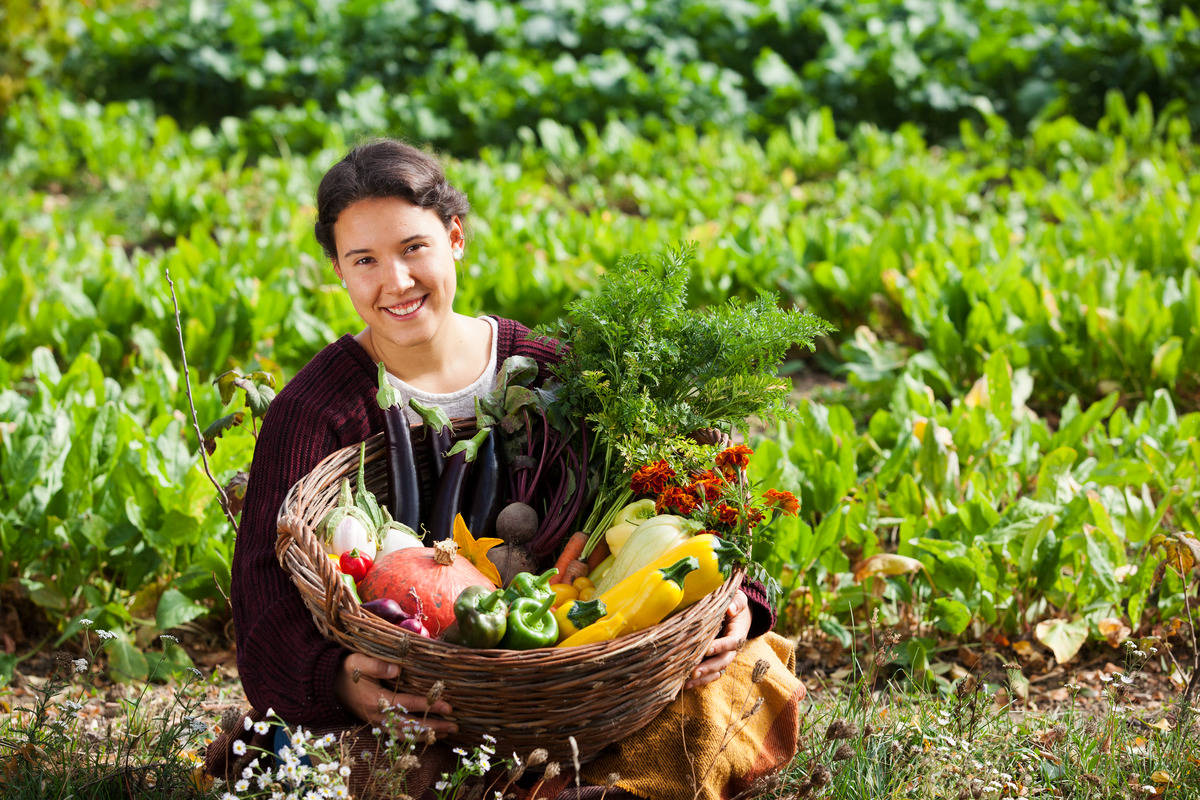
x: 726, y: 646
x: 357, y: 687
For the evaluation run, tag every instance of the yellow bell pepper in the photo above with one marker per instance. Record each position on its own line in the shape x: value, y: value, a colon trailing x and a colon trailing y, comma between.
x: 625, y: 521
x: 638, y: 602
x: 575, y: 615
x: 716, y: 557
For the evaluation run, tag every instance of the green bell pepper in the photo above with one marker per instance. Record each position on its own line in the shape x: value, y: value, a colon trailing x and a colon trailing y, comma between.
x: 481, y: 616
x: 525, y: 584
x: 531, y: 624
x: 348, y: 582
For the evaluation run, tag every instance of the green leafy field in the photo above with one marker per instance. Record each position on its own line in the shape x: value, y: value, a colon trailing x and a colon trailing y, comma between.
x: 1016, y: 285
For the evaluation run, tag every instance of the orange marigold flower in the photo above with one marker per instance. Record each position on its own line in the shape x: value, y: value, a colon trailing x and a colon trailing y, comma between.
x: 726, y: 514
x: 709, y: 483
x: 786, y: 502
x: 652, y: 479
x: 678, y: 498
x: 733, y: 458
x: 754, y: 515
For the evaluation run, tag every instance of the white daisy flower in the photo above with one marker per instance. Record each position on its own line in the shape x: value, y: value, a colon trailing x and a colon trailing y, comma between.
x: 239, y: 748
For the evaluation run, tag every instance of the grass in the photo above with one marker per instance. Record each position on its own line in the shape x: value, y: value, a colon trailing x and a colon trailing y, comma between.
x: 872, y: 738
x: 970, y: 740
x: 70, y: 743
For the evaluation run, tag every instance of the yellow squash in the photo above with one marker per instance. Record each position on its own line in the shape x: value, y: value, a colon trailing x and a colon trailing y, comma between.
x: 638, y: 602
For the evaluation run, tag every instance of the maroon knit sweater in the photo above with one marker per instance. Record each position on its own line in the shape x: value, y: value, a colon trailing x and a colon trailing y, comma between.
x: 285, y: 663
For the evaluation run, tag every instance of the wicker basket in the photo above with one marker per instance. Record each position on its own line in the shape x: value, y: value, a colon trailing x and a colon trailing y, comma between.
x: 537, y: 698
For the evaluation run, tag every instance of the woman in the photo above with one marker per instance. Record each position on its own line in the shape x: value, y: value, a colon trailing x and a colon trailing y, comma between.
x: 393, y: 228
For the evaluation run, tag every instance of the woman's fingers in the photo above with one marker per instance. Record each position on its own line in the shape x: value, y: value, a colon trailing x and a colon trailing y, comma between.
x: 361, y: 686
x: 724, y: 649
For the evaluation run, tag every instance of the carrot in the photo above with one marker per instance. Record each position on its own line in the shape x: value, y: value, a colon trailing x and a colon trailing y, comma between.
x: 572, y: 550
x: 576, y: 568
x: 599, y: 554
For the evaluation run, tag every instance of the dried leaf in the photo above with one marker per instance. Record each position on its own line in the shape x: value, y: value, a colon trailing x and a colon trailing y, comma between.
x: 1113, y: 630
x: 886, y: 564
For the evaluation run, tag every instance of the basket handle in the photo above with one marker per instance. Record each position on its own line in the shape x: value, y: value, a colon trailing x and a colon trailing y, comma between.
x: 337, y: 597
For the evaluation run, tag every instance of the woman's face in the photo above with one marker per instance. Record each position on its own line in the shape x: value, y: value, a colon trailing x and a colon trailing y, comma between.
x: 398, y: 264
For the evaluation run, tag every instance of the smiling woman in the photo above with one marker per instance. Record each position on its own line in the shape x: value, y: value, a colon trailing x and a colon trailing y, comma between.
x: 393, y: 229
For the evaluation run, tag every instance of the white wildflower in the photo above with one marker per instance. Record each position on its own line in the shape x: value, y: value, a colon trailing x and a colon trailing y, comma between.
x: 441, y: 786
x: 262, y: 727
x: 195, y: 673
x: 247, y: 724
x: 87, y: 623
x: 460, y: 751
x: 241, y: 785
x: 81, y: 664
x: 167, y: 638
x: 106, y: 635
x: 239, y: 748
x: 344, y: 771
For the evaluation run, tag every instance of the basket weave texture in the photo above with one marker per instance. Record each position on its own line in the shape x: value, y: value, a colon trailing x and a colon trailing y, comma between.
x: 596, y: 693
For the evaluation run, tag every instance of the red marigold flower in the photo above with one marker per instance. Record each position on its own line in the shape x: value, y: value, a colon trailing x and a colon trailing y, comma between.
x: 678, y: 498
x: 733, y: 458
x: 726, y: 514
x: 786, y: 502
x: 754, y: 515
x: 652, y: 479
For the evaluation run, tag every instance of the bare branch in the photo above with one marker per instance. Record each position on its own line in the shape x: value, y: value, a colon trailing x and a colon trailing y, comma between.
x: 187, y: 384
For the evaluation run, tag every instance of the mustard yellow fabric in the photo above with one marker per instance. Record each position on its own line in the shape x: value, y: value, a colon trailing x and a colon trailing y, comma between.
x: 700, y: 747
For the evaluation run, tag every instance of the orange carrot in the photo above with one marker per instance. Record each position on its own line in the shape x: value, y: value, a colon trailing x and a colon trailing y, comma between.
x: 572, y: 550
x: 599, y: 554
x: 576, y: 568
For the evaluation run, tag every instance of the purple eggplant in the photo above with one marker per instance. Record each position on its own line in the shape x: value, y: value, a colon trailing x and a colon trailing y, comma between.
x: 486, y: 497
x: 404, y: 495
x: 439, y: 433
x: 447, y: 497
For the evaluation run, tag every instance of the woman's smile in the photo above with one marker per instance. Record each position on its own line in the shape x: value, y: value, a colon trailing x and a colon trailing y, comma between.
x: 401, y: 311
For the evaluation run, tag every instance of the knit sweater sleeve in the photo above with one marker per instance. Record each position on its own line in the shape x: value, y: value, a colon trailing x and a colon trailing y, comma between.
x: 284, y: 661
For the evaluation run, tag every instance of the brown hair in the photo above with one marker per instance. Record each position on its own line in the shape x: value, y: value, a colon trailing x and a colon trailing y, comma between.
x: 382, y: 168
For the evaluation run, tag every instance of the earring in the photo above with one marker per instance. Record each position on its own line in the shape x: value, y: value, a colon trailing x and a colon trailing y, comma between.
x: 343, y: 283
x: 457, y: 253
